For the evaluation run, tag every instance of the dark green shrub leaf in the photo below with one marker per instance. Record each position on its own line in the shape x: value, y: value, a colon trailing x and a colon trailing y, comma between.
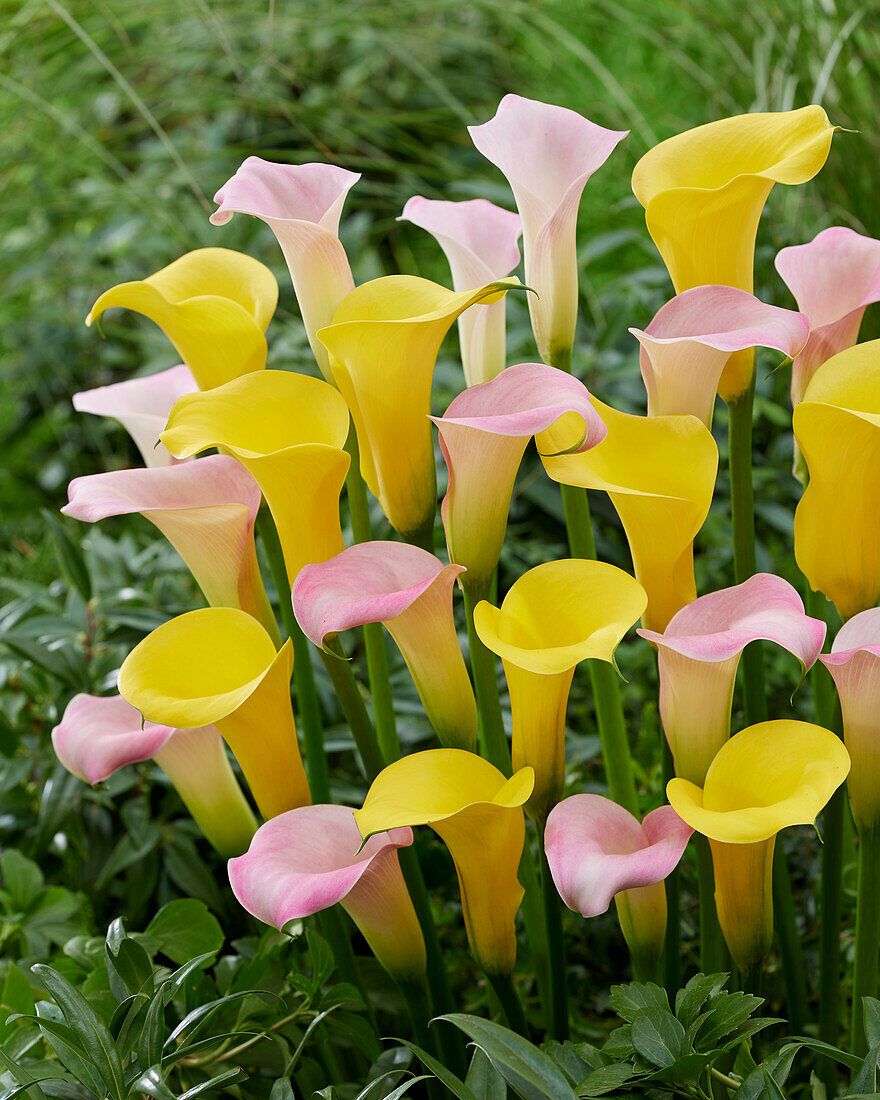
x: 699, y: 989
x: 627, y: 1000
x: 658, y: 1036
x: 184, y: 928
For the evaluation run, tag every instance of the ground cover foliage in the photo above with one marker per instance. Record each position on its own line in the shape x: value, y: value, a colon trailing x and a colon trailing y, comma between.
x: 118, y: 122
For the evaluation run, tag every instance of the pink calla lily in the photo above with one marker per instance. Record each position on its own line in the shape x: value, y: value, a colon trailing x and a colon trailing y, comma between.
x: 98, y: 736
x: 141, y: 405
x: 301, y: 204
x: 410, y: 591
x: 854, y: 662
x: 483, y: 435
x: 597, y: 851
x: 479, y: 240
x: 698, y: 654
x: 548, y: 154
x: 833, y: 278
x: 686, y: 346
x: 205, y: 508
x: 313, y: 857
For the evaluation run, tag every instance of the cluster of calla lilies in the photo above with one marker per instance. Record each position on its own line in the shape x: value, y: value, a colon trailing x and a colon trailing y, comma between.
x: 220, y: 677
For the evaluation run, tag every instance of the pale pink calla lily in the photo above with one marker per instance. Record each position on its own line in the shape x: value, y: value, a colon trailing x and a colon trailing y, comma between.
x: 98, y: 736
x: 301, y: 204
x: 833, y: 278
x: 141, y: 405
x: 854, y: 662
x: 205, y: 508
x: 685, y: 347
x: 483, y: 435
x: 597, y: 851
x: 547, y: 154
x: 699, y: 652
x: 313, y: 857
x: 410, y: 591
x: 479, y: 240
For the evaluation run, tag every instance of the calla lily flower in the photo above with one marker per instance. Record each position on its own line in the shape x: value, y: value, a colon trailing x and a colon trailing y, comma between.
x: 483, y: 435
x: 479, y: 240
x: 685, y: 347
x: 554, y: 616
x: 548, y: 154
x: 288, y: 431
x: 218, y: 666
x: 767, y: 777
x: 206, y: 509
x: 703, y: 192
x: 214, y: 305
x: 477, y: 813
x: 598, y: 851
x: 659, y: 472
x: 383, y: 344
x: 141, y: 405
x: 410, y: 591
x: 98, y: 736
x: 308, y: 859
x: 301, y: 204
x: 833, y: 278
x: 699, y: 653
x: 836, y: 525
x: 854, y: 662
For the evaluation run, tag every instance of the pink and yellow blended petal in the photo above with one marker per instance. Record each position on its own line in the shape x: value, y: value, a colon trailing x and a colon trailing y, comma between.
x: 554, y: 616
x: 686, y: 346
x: 698, y: 655
x: 213, y: 304
x: 548, y: 154
x: 98, y: 736
x: 660, y: 475
x: 837, y: 522
x: 206, y: 509
x: 301, y: 204
x: 477, y: 813
x: 311, y: 858
x: 483, y: 435
x: 703, y: 192
x: 479, y: 240
x: 218, y: 666
x: 410, y: 591
x: 383, y: 346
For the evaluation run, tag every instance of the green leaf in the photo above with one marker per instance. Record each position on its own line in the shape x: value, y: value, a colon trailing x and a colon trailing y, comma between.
x: 726, y: 1012
x: 21, y: 1075
x: 22, y: 879
x: 151, y: 1039
x: 128, y: 965
x: 71, y: 560
x: 16, y: 997
x: 484, y: 1080
x: 627, y: 1000
x: 568, y: 1057
x: 607, y: 1079
x: 453, y: 1084
x: 619, y: 1044
x: 230, y: 1075
x: 321, y: 957
x: 69, y: 1051
x: 525, y: 1068
x: 283, y: 1090
x: 89, y: 1028
x: 152, y: 1083
x: 777, y: 1064
x: 842, y: 1056
x: 865, y: 1081
x: 871, y: 1009
x: 658, y: 1036
x: 184, y: 928
x: 699, y: 989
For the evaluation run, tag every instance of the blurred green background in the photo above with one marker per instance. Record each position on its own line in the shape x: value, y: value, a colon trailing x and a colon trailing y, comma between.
x: 118, y: 122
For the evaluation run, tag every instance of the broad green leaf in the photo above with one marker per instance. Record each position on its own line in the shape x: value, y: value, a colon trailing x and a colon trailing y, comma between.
x: 22, y: 879
x: 152, y: 1083
x: 699, y: 989
x: 484, y: 1080
x: 865, y: 1081
x: 16, y: 997
x: 658, y: 1036
x: 128, y: 965
x: 283, y: 1090
x: 184, y: 928
x: 230, y: 1075
x: 69, y: 1052
x: 71, y: 560
x: 567, y: 1056
x: 619, y: 1044
x: 627, y: 1000
x: 447, y: 1077
x: 526, y: 1069
x: 726, y: 1012
x: 871, y: 1009
x: 321, y: 957
x: 607, y: 1079
x: 838, y: 1055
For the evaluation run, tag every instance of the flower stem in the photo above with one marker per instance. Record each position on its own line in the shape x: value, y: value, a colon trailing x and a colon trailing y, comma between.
x: 510, y: 1002
x: 713, y: 949
x: 493, y: 740
x: 865, y: 973
x: 558, y: 1014
x: 672, y: 939
x: 350, y: 699
x: 303, y: 676
x: 374, y: 634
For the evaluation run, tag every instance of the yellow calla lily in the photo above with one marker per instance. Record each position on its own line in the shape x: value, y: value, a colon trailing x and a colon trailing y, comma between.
x: 383, y: 344
x: 218, y: 667
x: 477, y: 813
x: 660, y: 475
x: 555, y: 616
x: 767, y: 777
x: 288, y: 431
x: 837, y: 522
x: 703, y: 192
x: 213, y: 304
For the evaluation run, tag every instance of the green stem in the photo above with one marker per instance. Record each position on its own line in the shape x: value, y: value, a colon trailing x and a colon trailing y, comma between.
x: 510, y: 1002
x: 493, y: 740
x: 793, y: 965
x: 303, y: 675
x: 865, y: 973
x: 335, y: 925
x: 374, y: 633
x: 536, y: 927
x: 352, y: 702
x: 672, y: 939
x: 713, y: 949
x: 558, y: 1014
x: 414, y: 994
